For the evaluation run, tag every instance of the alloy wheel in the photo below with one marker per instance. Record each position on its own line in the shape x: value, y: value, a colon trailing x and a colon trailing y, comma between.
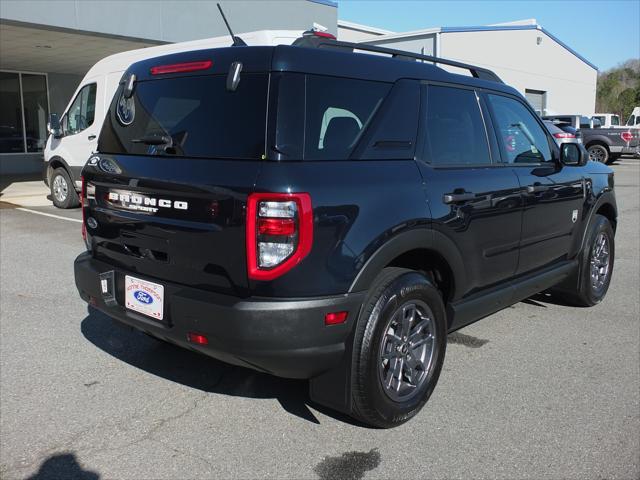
x: 600, y: 262
x: 60, y: 188
x: 598, y: 154
x: 406, y: 351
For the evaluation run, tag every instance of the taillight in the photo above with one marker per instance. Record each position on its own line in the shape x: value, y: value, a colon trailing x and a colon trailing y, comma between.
x: 564, y: 135
x: 317, y: 33
x: 279, y: 233
x: 181, y: 67
x: 626, y: 136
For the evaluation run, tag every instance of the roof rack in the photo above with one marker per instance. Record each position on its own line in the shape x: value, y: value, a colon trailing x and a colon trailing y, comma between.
x: 477, y: 72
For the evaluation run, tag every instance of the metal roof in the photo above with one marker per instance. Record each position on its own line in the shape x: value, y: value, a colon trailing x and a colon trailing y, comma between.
x: 485, y: 28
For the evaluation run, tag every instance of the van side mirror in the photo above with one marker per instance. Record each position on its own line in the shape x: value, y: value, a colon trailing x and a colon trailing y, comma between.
x: 54, y: 127
x: 572, y: 155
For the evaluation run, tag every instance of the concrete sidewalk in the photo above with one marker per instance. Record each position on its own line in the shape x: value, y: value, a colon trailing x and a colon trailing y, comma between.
x: 24, y: 191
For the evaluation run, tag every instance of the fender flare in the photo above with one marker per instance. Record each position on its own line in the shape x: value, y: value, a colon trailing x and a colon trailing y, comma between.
x: 606, y: 197
x: 423, y: 238
x: 599, y: 139
x: 72, y: 171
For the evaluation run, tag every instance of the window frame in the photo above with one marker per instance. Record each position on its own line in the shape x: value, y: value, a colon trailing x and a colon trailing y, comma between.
x: 552, y: 144
x: 24, y: 129
x: 65, y: 115
x: 421, y: 142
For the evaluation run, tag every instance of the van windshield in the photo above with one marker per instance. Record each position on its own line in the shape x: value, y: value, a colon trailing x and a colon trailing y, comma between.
x: 190, y: 116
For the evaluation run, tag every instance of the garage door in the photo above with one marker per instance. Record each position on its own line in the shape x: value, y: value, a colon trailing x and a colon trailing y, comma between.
x: 537, y: 99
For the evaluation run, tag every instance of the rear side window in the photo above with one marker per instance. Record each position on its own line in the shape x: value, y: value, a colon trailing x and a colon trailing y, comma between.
x: 338, y: 110
x: 521, y: 137
x: 192, y: 116
x: 81, y: 113
x: 455, y: 132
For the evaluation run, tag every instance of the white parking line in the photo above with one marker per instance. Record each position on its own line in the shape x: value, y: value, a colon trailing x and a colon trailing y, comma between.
x: 22, y: 209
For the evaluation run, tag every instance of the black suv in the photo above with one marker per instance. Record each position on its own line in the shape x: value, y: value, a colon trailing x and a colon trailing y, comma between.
x: 315, y: 212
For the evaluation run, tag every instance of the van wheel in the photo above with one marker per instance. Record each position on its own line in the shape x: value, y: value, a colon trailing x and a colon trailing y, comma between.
x: 63, y: 192
x: 399, y: 348
x: 598, y: 153
x: 596, y: 265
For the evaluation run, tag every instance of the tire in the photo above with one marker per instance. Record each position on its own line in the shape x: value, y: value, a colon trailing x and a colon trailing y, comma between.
x: 63, y: 191
x: 588, y: 291
x: 599, y: 153
x: 397, y: 294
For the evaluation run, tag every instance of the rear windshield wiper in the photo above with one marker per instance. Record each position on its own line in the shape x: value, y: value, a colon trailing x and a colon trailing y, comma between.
x: 154, y: 140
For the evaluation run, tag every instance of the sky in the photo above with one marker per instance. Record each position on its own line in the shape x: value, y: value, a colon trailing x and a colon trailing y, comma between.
x: 604, y: 32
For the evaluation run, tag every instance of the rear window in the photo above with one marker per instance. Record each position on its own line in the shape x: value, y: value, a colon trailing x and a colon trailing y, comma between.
x: 191, y: 116
x: 338, y: 110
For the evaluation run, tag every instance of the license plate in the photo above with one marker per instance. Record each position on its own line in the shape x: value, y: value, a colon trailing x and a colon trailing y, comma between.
x: 144, y: 297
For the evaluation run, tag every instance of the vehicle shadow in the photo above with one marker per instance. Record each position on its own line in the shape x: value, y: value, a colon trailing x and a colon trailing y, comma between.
x: 199, y: 371
x: 63, y: 465
x: 542, y: 298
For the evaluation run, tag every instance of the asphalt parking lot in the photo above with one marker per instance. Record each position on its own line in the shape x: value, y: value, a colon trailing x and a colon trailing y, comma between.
x: 539, y: 390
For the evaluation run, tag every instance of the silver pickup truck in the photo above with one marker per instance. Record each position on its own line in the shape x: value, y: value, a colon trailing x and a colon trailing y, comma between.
x: 603, y: 144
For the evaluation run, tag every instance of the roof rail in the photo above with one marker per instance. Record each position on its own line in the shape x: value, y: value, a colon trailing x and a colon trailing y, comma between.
x: 477, y: 72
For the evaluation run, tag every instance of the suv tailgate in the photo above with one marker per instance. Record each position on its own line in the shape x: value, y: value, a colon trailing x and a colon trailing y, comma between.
x: 185, y: 225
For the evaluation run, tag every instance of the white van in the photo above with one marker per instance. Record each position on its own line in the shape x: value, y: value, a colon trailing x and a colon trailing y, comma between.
x: 634, y: 118
x: 74, y: 134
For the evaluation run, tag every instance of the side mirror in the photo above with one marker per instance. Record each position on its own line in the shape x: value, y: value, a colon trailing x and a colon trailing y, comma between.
x: 572, y: 155
x: 54, y: 127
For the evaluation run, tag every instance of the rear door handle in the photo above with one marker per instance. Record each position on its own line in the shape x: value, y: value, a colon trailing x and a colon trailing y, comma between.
x: 537, y: 188
x: 458, y: 197
x: 91, y: 137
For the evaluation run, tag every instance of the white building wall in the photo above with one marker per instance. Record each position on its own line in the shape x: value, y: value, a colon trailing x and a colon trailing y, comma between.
x: 352, y: 35
x: 354, y: 32
x: 424, y: 43
x: 515, y: 56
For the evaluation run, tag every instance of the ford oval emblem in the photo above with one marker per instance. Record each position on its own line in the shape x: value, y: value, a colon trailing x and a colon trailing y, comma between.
x: 109, y: 166
x: 143, y: 297
x: 125, y: 110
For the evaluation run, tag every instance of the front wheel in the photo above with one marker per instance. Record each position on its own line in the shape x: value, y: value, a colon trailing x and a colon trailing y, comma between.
x: 598, y: 153
x: 596, y: 264
x: 63, y: 192
x: 399, y: 348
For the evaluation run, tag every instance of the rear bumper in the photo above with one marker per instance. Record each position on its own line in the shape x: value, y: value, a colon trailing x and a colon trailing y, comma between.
x: 626, y: 150
x: 283, y: 337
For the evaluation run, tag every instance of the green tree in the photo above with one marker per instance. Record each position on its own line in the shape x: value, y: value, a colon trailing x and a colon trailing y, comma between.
x: 618, y: 89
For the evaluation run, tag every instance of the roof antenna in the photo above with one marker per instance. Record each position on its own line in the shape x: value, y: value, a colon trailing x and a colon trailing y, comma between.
x: 237, y: 41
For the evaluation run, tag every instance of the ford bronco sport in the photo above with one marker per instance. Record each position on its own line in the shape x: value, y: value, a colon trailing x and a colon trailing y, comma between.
x: 319, y: 213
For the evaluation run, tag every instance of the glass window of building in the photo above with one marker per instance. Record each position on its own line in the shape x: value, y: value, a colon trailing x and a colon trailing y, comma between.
x: 24, y: 110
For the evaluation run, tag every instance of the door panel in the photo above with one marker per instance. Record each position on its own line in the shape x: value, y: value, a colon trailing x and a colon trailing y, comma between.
x: 553, y: 204
x: 474, y: 202
x: 484, y: 228
x: 81, y: 125
x: 552, y: 194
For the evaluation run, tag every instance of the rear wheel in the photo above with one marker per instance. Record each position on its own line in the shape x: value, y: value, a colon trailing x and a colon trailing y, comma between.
x: 63, y: 192
x: 399, y: 348
x: 598, y: 153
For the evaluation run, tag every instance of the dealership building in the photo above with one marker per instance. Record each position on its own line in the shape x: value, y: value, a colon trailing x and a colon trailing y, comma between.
x: 46, y: 47
x: 554, y: 77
